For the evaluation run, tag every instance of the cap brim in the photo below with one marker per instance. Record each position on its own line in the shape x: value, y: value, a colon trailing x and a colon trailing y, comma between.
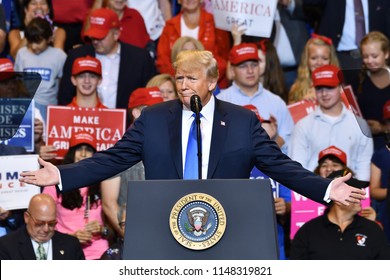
x: 326, y: 84
x: 96, y: 33
x: 75, y: 73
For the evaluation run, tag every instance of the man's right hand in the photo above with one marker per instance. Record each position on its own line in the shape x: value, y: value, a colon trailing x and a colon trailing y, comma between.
x: 48, y: 175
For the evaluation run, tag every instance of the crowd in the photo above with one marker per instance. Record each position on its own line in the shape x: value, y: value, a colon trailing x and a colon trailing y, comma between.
x: 128, y: 54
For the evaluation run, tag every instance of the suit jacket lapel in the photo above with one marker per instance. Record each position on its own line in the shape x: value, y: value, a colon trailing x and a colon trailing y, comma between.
x: 174, y: 129
x: 25, y: 246
x: 220, y: 128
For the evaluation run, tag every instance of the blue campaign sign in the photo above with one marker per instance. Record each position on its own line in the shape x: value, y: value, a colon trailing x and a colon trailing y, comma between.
x: 18, y: 111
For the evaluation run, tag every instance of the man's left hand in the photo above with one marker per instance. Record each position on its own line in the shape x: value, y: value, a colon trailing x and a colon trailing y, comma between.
x: 344, y: 193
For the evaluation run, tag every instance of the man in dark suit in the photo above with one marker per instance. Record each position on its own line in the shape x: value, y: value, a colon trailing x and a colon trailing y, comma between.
x: 291, y: 41
x: 233, y: 142
x: 131, y: 67
x: 40, y: 219
x: 337, y: 22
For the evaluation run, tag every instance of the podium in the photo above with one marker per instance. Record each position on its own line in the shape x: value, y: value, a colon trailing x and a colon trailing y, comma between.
x: 250, y: 221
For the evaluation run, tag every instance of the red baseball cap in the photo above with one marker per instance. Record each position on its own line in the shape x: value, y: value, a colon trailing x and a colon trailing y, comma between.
x: 6, y: 68
x: 87, y: 64
x: 243, y: 52
x: 386, y: 110
x: 254, y: 109
x: 145, y: 97
x: 326, y: 75
x: 333, y: 150
x: 82, y: 138
x: 100, y: 22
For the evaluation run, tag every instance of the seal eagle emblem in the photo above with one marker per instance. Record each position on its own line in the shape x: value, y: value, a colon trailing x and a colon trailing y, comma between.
x: 197, y: 221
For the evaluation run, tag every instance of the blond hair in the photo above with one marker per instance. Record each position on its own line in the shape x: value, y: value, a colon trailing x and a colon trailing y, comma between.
x: 303, y: 82
x: 179, y: 43
x: 197, y: 59
x: 159, y: 79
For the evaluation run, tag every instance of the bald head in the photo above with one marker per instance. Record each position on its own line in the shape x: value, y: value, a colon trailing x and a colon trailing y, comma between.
x: 42, y: 203
x: 40, y: 218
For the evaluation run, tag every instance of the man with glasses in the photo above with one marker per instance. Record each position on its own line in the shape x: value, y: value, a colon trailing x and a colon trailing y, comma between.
x: 38, y: 239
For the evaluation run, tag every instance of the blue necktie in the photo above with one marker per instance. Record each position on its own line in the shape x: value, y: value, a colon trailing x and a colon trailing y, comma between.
x: 191, y: 163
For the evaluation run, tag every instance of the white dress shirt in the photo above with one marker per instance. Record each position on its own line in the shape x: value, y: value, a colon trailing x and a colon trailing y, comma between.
x: 347, y: 40
x: 108, y: 88
x: 47, y: 246
x: 206, y: 127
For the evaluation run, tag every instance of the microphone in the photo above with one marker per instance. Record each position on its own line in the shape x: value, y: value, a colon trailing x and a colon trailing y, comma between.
x: 196, y: 105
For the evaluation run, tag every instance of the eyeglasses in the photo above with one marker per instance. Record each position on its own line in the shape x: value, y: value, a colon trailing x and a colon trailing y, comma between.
x: 40, y: 224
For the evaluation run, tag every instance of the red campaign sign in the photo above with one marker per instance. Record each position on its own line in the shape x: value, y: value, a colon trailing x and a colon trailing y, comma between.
x: 301, y: 109
x: 350, y: 101
x: 107, y: 125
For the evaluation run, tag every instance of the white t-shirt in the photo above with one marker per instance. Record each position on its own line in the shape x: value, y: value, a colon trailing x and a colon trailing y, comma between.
x: 152, y: 15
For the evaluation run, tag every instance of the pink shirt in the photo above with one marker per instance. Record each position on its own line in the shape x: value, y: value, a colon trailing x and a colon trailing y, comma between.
x: 69, y: 221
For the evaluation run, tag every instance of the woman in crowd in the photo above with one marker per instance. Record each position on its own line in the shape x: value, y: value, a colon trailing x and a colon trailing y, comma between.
x: 79, y: 212
x: 318, y: 51
x: 166, y: 84
x: 192, y: 21
x: 33, y: 9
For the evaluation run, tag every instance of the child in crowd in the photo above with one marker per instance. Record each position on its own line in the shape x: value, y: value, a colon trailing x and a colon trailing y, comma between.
x: 38, y: 56
x: 30, y: 10
x: 374, y: 83
x: 86, y: 77
x: 79, y: 212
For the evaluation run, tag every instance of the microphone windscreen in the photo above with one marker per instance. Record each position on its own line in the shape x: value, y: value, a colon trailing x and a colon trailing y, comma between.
x: 196, y: 105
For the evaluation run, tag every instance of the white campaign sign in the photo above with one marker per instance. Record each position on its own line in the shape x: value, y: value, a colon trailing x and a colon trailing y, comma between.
x: 14, y: 194
x: 257, y: 16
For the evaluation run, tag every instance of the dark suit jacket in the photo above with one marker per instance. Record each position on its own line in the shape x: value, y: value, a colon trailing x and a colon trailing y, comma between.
x: 296, y: 29
x: 135, y: 69
x: 333, y: 16
x: 238, y: 143
x: 17, y: 246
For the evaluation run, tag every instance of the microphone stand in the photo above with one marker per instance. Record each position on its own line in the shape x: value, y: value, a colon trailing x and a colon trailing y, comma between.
x: 196, y: 107
x: 199, y: 142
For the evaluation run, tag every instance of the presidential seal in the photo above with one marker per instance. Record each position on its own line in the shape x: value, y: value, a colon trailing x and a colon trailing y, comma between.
x: 197, y: 221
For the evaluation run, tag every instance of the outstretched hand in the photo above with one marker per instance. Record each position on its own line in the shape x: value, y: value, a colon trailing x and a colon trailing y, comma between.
x: 46, y: 176
x: 344, y: 193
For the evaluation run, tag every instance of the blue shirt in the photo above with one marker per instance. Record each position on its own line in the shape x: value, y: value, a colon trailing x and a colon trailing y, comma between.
x: 267, y: 104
